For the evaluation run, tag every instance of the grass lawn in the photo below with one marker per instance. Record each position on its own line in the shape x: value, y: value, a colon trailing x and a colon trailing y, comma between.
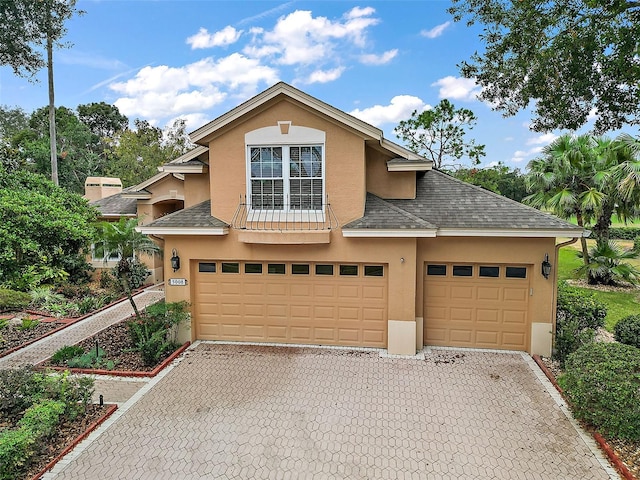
x: 619, y: 304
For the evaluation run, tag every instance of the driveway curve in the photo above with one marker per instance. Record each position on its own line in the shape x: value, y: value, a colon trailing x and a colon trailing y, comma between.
x: 245, y: 412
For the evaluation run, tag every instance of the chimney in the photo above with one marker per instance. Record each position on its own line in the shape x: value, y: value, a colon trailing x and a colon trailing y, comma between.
x: 97, y: 188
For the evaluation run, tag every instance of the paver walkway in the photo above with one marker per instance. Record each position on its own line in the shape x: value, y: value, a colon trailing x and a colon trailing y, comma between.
x: 77, y: 332
x: 245, y: 412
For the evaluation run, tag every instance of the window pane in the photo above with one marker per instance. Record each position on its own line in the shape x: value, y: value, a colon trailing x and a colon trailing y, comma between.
x: 324, y: 269
x: 276, y: 268
x: 462, y: 270
x: 300, y: 269
x: 493, y: 272
x: 350, y: 270
x: 516, y: 272
x: 436, y: 269
x: 230, y: 267
x: 373, y: 270
x: 207, y: 267
x: 252, y: 268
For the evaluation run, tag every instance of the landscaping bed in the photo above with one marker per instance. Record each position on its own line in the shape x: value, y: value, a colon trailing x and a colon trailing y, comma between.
x: 627, y: 451
x: 13, y: 335
x: 133, y: 347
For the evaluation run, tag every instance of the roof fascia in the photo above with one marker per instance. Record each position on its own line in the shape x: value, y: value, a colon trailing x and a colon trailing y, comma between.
x: 505, y: 232
x: 388, y: 233
x: 190, y: 155
x: 200, y: 134
x: 183, y: 230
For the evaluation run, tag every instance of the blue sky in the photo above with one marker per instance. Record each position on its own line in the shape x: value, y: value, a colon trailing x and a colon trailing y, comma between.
x: 379, y: 60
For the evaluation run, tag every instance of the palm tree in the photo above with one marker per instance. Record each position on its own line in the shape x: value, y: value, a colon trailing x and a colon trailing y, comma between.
x: 122, y: 239
x: 606, y: 265
x: 562, y: 181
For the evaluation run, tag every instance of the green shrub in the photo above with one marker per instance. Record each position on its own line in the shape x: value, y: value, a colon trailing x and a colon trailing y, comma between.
x: 43, y: 417
x: 155, y: 333
x: 570, y: 337
x: 18, y: 390
x: 583, y: 307
x: 636, y: 244
x: 16, y: 448
x: 66, y: 353
x: 624, y: 233
x: 627, y: 330
x: 602, y: 382
x: 3, y: 323
x: 12, y: 300
x: 136, y: 274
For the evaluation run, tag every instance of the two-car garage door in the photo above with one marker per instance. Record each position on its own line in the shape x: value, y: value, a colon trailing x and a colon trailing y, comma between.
x: 286, y: 302
x: 477, y: 305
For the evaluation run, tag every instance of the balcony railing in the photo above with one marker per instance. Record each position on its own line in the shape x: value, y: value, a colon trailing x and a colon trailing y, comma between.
x: 248, y: 218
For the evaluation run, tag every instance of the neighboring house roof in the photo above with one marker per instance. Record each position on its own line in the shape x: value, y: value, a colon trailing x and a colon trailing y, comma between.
x: 195, y: 220
x: 368, y: 131
x: 118, y: 205
x: 457, y: 208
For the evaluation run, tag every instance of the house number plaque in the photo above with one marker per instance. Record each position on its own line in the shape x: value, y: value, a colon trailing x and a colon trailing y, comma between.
x: 178, y: 281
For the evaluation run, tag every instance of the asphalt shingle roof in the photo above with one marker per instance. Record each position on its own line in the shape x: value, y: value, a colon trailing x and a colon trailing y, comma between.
x: 446, y: 202
x: 193, y: 217
x: 116, y: 204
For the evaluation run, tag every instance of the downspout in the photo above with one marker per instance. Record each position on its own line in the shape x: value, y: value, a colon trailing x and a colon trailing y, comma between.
x: 554, y: 303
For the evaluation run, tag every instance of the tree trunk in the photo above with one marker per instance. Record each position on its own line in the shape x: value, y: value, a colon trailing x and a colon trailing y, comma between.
x: 127, y: 289
x: 52, y: 106
x: 583, y: 240
x: 603, y: 222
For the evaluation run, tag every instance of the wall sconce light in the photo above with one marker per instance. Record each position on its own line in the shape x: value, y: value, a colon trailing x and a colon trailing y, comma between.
x: 546, y: 266
x: 175, y: 260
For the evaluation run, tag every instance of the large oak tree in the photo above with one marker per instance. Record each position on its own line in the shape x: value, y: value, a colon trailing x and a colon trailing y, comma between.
x: 565, y: 58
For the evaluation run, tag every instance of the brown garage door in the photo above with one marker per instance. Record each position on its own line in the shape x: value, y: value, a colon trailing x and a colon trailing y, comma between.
x: 310, y: 303
x: 477, y: 305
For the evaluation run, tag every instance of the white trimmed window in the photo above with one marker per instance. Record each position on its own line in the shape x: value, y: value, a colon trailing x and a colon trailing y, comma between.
x: 287, y: 178
x: 285, y: 169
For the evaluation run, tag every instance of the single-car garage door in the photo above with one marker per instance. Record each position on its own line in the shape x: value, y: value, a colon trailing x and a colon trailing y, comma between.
x: 309, y: 303
x: 477, y: 305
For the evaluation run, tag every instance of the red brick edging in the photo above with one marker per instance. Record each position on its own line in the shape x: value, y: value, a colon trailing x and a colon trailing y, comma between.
x: 620, y: 466
x: 65, y: 325
x: 76, y: 441
x: 121, y: 373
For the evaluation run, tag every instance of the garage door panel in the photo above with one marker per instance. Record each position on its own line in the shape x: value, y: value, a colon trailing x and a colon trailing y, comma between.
x: 488, y: 338
x: 516, y: 294
x: 299, y: 308
x: 489, y: 293
x: 461, y: 314
x: 489, y: 312
x: 515, y: 317
x: 461, y: 292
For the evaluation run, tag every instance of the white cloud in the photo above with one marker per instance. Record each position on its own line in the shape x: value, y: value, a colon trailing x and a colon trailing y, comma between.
x: 204, y: 39
x: 91, y: 60
x: 324, y: 76
x: 435, y: 31
x: 400, y: 108
x: 543, y: 139
x: 593, y: 114
x: 373, y: 59
x: 163, y: 91
x: 457, y: 88
x: 520, y: 155
x: 301, y: 39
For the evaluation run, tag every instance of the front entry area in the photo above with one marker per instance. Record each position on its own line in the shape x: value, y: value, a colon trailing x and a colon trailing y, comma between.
x: 477, y: 305
x: 291, y: 302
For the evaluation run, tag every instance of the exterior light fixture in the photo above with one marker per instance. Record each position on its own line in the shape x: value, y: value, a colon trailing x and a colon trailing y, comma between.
x: 546, y: 266
x: 175, y: 260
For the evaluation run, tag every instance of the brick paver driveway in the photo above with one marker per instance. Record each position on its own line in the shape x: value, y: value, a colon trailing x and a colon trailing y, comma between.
x: 237, y: 411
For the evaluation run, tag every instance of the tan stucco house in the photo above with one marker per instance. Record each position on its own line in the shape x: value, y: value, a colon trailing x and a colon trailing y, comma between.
x: 303, y: 224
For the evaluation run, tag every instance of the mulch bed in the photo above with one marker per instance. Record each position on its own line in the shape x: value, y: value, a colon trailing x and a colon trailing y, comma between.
x: 12, y: 337
x: 626, y: 450
x: 115, y: 341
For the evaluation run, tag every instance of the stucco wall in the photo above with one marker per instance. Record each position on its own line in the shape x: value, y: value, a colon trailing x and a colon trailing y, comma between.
x: 385, y: 184
x: 344, y: 161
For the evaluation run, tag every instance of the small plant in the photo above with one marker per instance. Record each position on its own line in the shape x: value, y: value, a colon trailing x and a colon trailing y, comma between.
x: 3, y: 323
x: 12, y: 300
x: 43, y: 417
x: 627, y: 330
x: 94, y: 358
x: 602, y: 382
x: 28, y: 323
x: 66, y: 353
x: 16, y: 449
